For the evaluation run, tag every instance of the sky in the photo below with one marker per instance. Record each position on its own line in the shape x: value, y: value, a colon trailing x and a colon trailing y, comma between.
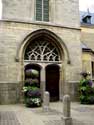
x: 0, y: 9
x: 83, y: 5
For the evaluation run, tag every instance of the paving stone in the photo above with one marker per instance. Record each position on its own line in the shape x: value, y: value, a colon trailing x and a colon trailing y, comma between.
x: 50, y: 112
x: 59, y: 122
x: 8, y: 118
x: 20, y: 115
x: 83, y: 109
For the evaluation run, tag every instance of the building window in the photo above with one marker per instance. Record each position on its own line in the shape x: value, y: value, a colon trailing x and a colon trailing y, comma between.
x: 87, y: 19
x: 92, y: 64
x: 42, y: 10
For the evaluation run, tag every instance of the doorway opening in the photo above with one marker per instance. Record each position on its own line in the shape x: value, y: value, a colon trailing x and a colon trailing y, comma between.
x: 44, y: 50
x: 52, y: 81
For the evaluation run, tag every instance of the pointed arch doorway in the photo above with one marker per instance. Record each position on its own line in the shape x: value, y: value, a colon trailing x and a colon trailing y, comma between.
x: 52, y: 81
x: 44, y: 49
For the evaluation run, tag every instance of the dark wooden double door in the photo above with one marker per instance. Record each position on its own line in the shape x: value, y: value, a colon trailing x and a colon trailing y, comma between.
x: 52, y: 81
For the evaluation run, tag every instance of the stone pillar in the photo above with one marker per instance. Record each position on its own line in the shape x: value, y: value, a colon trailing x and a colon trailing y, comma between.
x: 46, y: 101
x: 60, y: 84
x: 42, y: 81
x: 67, y: 120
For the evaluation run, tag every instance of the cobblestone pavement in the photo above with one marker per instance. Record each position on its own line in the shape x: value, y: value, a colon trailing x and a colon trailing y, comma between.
x: 8, y: 118
x: 20, y: 115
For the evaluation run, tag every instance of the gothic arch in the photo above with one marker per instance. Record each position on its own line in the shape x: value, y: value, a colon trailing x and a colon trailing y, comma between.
x: 49, y: 35
x: 33, y: 64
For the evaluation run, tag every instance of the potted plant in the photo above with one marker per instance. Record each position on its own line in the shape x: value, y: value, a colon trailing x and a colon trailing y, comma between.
x: 31, y: 89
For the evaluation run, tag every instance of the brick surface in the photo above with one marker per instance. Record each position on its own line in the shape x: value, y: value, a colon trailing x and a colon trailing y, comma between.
x: 20, y: 115
x: 8, y: 118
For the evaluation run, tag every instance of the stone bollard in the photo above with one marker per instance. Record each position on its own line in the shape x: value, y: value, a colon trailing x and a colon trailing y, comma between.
x: 46, y: 101
x: 67, y: 120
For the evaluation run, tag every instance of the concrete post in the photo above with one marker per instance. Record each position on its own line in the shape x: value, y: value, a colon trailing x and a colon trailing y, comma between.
x: 42, y: 79
x: 67, y: 120
x: 46, y: 101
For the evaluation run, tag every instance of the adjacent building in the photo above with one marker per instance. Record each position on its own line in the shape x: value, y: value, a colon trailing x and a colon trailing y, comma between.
x: 87, y: 39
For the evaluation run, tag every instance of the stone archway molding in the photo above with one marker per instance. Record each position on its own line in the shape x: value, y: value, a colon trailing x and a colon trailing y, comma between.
x: 33, y: 64
x: 42, y: 32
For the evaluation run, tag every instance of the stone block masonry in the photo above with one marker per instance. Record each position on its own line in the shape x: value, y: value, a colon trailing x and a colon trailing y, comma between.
x: 13, y: 34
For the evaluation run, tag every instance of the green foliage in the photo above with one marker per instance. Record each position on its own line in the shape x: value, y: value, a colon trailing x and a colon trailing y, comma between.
x: 27, y: 88
x: 86, y: 91
x: 83, y: 99
x: 83, y: 88
x: 32, y: 73
x: 33, y: 101
x: 31, y: 88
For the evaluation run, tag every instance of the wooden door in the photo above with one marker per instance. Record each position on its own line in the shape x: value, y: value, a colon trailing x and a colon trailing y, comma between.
x: 52, y: 81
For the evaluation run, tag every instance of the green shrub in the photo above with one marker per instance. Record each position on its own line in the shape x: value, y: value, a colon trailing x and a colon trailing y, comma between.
x: 31, y: 73
x: 86, y: 90
x: 33, y: 102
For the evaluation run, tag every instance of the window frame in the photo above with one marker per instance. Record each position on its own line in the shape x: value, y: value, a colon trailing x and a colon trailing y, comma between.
x: 92, y: 68
x: 42, y: 19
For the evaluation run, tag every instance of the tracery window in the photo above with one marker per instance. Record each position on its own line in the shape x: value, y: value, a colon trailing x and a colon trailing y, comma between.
x: 41, y: 51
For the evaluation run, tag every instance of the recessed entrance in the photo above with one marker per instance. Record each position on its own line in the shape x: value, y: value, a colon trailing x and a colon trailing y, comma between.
x: 52, y: 81
x: 44, y: 50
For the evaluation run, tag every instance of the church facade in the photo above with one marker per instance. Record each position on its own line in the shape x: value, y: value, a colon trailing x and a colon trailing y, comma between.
x: 43, y: 35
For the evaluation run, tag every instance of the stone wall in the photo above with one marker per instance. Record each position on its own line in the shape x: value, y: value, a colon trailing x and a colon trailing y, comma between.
x: 11, y: 36
x: 10, y: 93
x: 63, y: 12
x: 17, y: 10
x: 87, y: 35
x: 74, y: 90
